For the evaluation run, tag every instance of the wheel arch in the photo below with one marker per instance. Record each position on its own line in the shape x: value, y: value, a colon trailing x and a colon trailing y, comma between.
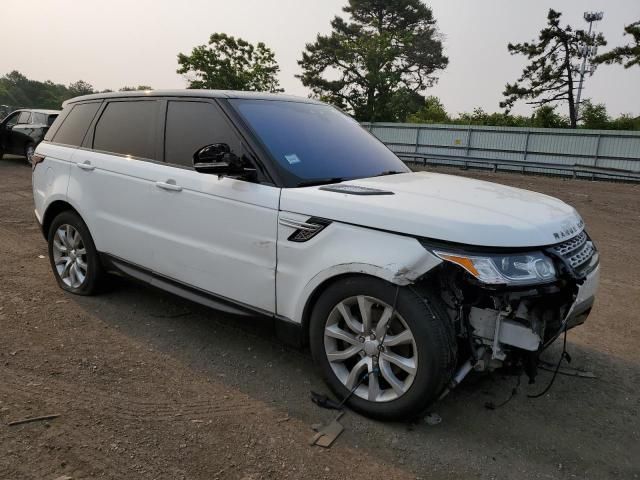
x: 325, y: 279
x: 53, y: 210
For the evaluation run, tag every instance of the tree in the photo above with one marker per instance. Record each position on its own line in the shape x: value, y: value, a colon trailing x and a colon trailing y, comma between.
x: 228, y: 63
x: 432, y: 111
x: 388, y: 48
x: 548, y: 78
x: 594, y: 115
x: 546, y: 116
x: 135, y: 89
x: 627, y: 55
x: 80, y: 88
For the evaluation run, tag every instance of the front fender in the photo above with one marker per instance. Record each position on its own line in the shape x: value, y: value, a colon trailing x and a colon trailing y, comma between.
x: 338, y: 250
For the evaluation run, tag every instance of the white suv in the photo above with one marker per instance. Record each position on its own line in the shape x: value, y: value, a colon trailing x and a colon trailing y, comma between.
x: 400, y: 282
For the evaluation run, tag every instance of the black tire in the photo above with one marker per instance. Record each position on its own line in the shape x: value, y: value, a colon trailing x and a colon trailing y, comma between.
x: 94, y: 272
x: 29, y: 147
x: 434, y: 340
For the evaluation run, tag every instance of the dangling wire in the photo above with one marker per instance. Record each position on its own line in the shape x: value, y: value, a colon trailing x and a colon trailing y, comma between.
x: 563, y: 356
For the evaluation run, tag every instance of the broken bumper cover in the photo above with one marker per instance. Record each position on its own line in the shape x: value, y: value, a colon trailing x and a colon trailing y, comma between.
x: 581, y: 307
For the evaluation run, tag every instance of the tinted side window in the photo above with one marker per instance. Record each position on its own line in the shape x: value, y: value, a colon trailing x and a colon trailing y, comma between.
x: 127, y: 128
x: 75, y: 125
x: 193, y: 125
x: 24, y: 118
x: 39, y: 119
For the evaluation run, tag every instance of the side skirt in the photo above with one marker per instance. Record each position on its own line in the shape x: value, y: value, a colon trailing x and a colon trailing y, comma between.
x: 286, y: 330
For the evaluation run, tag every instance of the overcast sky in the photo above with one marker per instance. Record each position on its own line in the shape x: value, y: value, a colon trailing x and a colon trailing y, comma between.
x: 130, y: 42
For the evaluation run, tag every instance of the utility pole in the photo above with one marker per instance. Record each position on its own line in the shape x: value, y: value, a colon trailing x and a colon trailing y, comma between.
x: 587, y: 51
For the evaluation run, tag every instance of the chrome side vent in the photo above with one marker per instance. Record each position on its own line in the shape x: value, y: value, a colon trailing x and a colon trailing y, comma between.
x: 304, y: 230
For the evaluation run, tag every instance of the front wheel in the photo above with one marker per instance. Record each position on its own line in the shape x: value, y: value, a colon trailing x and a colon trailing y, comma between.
x: 395, y: 361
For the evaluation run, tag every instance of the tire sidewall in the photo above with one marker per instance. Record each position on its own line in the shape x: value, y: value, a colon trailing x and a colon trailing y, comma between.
x: 428, y: 333
x: 94, y: 268
x: 26, y: 150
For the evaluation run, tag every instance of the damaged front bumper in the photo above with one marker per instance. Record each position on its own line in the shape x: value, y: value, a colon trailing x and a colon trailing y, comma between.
x: 525, y: 328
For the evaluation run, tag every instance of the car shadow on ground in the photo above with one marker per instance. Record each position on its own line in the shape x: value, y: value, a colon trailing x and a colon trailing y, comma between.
x: 561, y: 433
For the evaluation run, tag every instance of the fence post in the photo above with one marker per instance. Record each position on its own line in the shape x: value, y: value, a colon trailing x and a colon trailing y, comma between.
x: 417, y: 145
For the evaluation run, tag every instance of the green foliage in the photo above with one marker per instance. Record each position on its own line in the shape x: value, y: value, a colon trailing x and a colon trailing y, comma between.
x: 594, y: 115
x: 432, y: 111
x: 388, y: 51
x: 546, y: 116
x: 548, y: 78
x: 135, y: 89
x: 16, y: 90
x: 627, y: 55
x: 228, y: 63
x: 80, y: 88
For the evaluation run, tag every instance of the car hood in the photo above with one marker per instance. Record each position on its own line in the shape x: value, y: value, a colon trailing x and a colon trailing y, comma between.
x: 443, y: 207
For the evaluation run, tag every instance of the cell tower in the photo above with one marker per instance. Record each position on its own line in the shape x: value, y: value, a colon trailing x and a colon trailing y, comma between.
x: 587, y: 52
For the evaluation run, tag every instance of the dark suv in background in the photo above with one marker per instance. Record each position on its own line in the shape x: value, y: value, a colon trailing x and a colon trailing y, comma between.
x: 22, y: 130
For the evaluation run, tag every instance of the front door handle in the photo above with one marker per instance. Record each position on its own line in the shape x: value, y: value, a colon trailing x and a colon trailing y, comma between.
x: 86, y: 166
x: 169, y: 185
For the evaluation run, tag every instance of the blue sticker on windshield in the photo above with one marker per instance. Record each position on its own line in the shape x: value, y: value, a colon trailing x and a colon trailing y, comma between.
x: 292, y: 159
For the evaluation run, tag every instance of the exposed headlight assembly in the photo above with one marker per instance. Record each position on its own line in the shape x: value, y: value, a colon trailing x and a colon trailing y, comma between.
x: 512, y: 269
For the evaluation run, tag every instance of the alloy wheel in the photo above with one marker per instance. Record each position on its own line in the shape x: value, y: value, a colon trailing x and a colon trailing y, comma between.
x: 30, y: 152
x: 364, y: 335
x: 70, y: 256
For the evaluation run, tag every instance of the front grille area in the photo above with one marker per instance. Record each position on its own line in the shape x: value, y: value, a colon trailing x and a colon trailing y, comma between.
x: 579, y: 253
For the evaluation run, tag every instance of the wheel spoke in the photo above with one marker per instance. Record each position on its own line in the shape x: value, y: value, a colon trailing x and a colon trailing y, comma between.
x: 390, y: 377
x: 67, y: 267
x: 81, y: 264
x: 68, y: 235
x: 351, y: 322
x: 341, y: 355
x: 406, y: 364
x: 364, y: 304
x: 374, y: 385
x: 356, y: 371
x: 59, y: 246
x: 81, y: 251
x: 73, y: 275
x: 381, y: 328
x: 61, y: 260
x: 334, y: 331
x: 399, y: 339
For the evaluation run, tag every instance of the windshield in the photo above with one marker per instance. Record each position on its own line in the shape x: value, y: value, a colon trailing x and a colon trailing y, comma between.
x: 316, y: 143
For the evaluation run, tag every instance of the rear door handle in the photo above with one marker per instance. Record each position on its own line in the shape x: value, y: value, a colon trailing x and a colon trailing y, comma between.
x: 86, y: 166
x: 169, y: 185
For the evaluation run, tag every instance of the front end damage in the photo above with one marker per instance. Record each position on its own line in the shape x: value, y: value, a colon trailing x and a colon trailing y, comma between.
x: 501, y: 325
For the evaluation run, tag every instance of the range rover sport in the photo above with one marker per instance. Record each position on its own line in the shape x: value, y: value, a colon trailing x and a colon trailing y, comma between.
x: 400, y: 282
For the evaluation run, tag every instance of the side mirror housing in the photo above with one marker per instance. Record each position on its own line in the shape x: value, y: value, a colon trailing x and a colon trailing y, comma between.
x: 218, y: 159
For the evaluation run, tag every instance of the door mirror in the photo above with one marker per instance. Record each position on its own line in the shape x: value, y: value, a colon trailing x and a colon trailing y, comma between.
x: 218, y: 159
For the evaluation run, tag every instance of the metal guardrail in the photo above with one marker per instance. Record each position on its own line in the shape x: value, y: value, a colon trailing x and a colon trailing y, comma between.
x: 592, y: 154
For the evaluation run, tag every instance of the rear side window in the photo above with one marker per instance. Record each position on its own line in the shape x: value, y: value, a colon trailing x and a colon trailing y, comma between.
x: 39, y: 119
x: 51, y: 119
x: 127, y: 128
x: 193, y: 125
x: 24, y: 118
x: 76, y: 124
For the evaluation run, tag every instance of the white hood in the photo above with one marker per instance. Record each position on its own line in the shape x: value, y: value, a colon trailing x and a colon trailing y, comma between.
x: 444, y: 207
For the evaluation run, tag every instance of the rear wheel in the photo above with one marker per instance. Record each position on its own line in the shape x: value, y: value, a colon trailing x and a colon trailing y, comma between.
x: 29, y: 152
x: 73, y: 256
x: 395, y: 361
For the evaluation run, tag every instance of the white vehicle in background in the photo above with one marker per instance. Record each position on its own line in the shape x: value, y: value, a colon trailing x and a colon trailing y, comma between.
x: 266, y: 204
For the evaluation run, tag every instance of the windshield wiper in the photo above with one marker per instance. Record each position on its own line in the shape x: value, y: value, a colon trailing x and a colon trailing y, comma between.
x: 320, y: 181
x: 388, y: 172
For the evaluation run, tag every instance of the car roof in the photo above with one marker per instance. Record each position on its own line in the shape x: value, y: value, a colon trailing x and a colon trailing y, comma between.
x: 38, y: 110
x: 193, y: 93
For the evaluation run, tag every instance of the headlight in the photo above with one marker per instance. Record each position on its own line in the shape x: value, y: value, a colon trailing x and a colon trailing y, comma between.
x: 515, y: 269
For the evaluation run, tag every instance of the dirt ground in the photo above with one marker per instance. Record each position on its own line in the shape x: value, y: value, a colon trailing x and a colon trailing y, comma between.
x: 150, y: 386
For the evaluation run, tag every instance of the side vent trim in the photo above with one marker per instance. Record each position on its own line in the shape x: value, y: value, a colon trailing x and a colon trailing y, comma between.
x: 304, y: 231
